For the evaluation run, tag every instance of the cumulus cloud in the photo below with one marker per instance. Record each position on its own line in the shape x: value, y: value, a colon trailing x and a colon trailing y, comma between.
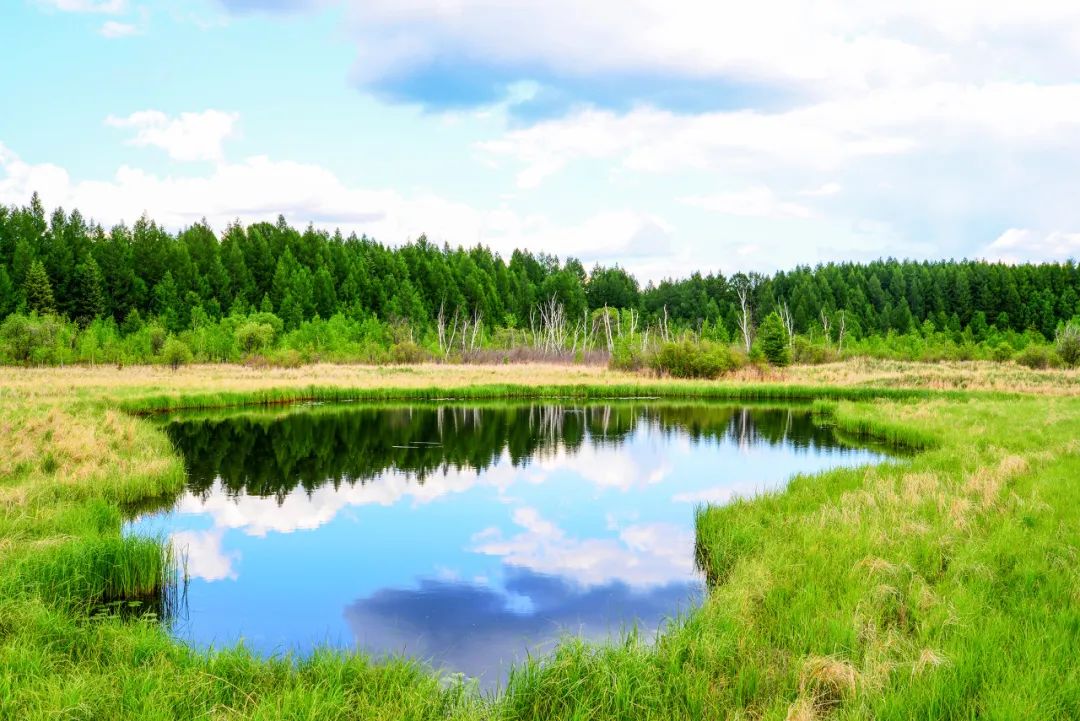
x: 820, y: 137
x: 259, y: 188
x: 641, y: 556
x: 204, y: 556
x: 1023, y: 245
x: 189, y: 136
x: 622, y: 52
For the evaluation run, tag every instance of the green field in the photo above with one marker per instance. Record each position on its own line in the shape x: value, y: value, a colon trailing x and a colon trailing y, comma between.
x: 944, y: 585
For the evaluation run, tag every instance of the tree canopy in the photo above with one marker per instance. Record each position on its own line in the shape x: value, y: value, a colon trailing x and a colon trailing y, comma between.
x: 67, y: 265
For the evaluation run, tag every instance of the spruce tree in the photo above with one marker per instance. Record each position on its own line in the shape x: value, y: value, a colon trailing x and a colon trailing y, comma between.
x: 8, y: 298
x: 89, y: 293
x: 774, y: 341
x: 38, y: 291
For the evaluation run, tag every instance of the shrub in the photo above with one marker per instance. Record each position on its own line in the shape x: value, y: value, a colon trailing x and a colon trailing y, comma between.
x: 175, y: 353
x: 690, y: 359
x: 253, y: 337
x: 806, y: 353
x: 1067, y: 343
x: 407, y: 351
x: 287, y: 358
x: 157, y: 338
x: 30, y: 337
x: 1038, y: 356
x: 1001, y: 352
x: 627, y: 355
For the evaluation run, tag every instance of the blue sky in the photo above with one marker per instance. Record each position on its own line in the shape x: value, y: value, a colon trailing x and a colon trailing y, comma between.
x: 666, y: 136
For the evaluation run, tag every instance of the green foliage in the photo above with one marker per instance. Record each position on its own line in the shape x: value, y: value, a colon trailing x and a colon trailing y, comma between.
x: 805, y: 352
x: 29, y: 338
x: 190, y: 283
x: 408, y: 351
x: 695, y: 359
x: 38, y: 291
x: 253, y: 337
x: 773, y: 339
x: 175, y: 353
x: 8, y: 296
x: 1038, y: 357
x: 627, y: 354
x: 1002, y: 352
x: 88, y: 300
x: 1067, y: 343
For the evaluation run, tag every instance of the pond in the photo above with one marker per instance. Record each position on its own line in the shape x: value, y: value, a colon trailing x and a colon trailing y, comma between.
x: 467, y: 536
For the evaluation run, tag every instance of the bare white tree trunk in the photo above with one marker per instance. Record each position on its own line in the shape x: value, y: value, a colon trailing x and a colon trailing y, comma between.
x: 789, y: 325
x: 742, y: 290
x: 826, y: 325
x: 842, y: 328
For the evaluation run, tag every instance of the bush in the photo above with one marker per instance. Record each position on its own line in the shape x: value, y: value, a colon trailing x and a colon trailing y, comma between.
x: 627, y: 355
x: 30, y: 338
x: 1038, y: 357
x: 690, y: 359
x: 1001, y: 352
x: 806, y: 353
x: 253, y: 337
x: 175, y: 353
x: 408, y: 351
x: 287, y: 358
x: 1067, y: 343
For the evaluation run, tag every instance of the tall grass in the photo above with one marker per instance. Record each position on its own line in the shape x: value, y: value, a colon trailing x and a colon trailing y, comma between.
x: 943, y: 586
x: 83, y: 574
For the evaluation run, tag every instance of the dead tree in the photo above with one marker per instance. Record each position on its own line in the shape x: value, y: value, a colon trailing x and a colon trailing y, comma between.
x: 826, y: 325
x: 744, y: 287
x: 789, y: 325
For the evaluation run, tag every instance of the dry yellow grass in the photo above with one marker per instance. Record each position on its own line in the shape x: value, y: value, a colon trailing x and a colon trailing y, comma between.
x: 53, y: 382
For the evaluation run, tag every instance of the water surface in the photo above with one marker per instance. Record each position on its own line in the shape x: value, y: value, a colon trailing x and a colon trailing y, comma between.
x: 467, y: 536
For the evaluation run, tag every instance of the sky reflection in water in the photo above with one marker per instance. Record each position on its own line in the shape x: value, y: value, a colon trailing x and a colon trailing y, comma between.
x: 466, y: 536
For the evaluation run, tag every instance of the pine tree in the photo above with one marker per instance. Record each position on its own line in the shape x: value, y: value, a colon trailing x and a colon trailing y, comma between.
x: 773, y: 339
x: 89, y: 294
x: 38, y: 291
x: 8, y: 297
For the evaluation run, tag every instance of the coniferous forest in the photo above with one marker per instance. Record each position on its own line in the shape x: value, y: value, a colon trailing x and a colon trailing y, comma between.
x: 74, y: 291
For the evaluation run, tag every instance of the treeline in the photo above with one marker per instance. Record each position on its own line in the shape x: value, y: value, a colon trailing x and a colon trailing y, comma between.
x: 75, y: 290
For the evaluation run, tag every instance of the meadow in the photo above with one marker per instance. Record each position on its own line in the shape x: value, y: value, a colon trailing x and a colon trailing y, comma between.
x: 943, y: 585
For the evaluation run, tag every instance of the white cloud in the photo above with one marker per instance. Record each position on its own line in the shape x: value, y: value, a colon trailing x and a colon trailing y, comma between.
x: 824, y: 136
x: 260, y: 188
x: 114, y: 29
x: 203, y: 555
x: 1022, y: 245
x: 88, y: 6
x: 831, y: 46
x: 641, y: 556
x: 190, y: 136
x: 756, y: 202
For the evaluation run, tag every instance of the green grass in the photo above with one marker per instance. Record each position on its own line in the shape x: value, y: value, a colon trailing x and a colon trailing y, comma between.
x: 946, y: 585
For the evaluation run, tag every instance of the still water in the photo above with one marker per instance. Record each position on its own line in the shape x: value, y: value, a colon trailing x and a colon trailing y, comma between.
x: 467, y: 536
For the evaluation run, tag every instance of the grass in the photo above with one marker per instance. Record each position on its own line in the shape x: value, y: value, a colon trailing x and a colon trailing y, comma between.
x: 945, y: 586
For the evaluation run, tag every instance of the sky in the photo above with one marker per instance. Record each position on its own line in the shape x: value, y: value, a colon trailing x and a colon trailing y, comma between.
x: 667, y: 136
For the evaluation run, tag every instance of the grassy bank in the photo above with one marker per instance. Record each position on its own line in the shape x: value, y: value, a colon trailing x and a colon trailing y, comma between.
x: 947, y: 586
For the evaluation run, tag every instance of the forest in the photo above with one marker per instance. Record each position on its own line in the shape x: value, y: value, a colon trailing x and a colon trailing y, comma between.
x: 72, y: 291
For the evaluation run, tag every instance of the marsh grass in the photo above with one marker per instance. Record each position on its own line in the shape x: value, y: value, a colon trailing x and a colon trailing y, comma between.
x: 944, y: 585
